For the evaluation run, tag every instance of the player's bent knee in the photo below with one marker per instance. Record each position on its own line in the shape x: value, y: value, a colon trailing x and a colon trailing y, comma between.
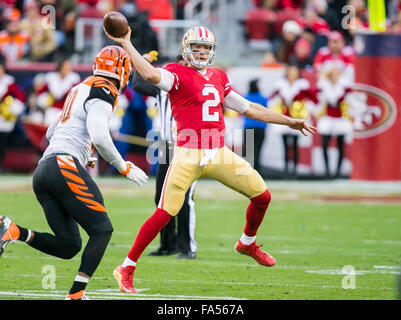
x: 102, y: 236
x: 71, y: 249
x: 262, y: 200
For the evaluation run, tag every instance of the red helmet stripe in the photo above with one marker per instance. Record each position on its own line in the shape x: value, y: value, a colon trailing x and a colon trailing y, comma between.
x: 200, y: 32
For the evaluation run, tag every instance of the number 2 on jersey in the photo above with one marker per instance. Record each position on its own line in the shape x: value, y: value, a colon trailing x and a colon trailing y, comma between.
x: 206, y: 116
x: 66, y: 112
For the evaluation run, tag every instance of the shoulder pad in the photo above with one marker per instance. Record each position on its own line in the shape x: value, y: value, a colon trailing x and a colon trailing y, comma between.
x: 102, y: 89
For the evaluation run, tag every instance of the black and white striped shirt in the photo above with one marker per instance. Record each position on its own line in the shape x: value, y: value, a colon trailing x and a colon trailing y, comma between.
x: 167, y: 122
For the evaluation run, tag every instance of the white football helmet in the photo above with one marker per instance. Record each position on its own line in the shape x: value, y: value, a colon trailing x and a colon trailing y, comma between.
x: 198, y: 35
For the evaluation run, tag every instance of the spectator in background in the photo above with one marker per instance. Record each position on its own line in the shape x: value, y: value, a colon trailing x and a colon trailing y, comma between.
x: 269, y: 61
x: 68, y: 28
x: 179, y: 8
x: 327, y: 13
x: 258, y: 127
x: 292, y: 96
x: 393, y: 10
x: 155, y: 9
x: 58, y: 84
x: 302, y: 54
x: 361, y: 19
x: 143, y: 37
x: 335, y: 54
x: 285, y: 47
x: 42, y: 40
x: 67, y: 6
x: 316, y: 29
x: 396, y: 23
x: 12, y: 100
x: 334, y: 120
x: 14, y: 43
x: 289, y: 4
x: 91, y: 10
x: 36, y: 108
x: 268, y: 4
x: 310, y: 19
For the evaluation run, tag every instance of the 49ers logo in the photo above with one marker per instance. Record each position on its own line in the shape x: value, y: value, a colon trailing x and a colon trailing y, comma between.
x: 373, y: 110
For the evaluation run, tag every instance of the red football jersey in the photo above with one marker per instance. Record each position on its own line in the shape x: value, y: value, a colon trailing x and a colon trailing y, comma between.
x: 197, y: 106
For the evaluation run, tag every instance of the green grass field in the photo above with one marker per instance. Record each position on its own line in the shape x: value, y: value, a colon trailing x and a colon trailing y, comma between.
x: 311, y: 238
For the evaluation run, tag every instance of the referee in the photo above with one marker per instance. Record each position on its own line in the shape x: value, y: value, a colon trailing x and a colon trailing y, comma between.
x: 172, y: 241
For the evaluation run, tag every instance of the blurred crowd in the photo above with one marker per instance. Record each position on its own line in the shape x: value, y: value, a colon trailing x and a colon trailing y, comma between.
x: 293, y: 31
x: 44, y: 30
x: 312, y: 37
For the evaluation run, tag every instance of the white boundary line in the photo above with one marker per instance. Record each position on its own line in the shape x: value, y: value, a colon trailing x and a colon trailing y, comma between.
x: 97, y: 295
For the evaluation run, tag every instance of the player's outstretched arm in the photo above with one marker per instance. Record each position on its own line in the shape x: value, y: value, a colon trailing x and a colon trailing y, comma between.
x: 98, y: 129
x: 52, y: 127
x: 258, y: 112
x: 145, y: 69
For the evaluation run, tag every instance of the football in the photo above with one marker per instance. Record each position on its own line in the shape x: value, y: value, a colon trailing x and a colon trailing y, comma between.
x: 115, y: 24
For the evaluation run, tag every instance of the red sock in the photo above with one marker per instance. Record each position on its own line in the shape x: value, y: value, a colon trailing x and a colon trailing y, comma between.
x: 255, y: 213
x: 149, y: 230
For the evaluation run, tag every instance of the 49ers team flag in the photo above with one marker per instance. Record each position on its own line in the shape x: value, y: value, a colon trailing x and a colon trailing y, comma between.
x: 376, y: 150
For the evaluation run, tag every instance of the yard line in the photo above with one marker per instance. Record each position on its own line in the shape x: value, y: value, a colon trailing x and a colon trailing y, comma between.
x: 37, y: 257
x: 278, y: 238
x: 41, y: 276
x: 356, y: 272
x: 396, y: 242
x: 114, y: 296
x: 387, y: 267
x: 306, y: 250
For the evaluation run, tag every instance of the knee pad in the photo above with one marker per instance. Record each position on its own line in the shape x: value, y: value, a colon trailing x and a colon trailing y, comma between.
x: 262, y: 201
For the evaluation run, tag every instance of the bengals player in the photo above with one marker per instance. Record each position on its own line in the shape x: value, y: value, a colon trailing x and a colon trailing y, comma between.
x: 198, y: 93
x: 63, y: 187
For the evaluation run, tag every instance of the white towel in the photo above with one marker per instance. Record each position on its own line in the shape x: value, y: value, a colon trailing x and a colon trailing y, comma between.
x: 208, y: 156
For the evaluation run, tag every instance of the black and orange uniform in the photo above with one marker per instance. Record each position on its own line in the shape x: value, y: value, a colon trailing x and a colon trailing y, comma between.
x: 65, y: 190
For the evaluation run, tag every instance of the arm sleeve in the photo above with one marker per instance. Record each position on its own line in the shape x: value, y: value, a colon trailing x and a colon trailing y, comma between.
x: 144, y: 87
x: 167, y: 80
x: 98, y: 129
x: 236, y: 102
x: 52, y: 127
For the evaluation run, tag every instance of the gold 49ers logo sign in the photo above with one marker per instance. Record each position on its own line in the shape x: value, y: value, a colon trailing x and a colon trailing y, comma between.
x: 373, y: 110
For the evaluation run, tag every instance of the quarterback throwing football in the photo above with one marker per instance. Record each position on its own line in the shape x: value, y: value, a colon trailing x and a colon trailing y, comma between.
x: 198, y: 94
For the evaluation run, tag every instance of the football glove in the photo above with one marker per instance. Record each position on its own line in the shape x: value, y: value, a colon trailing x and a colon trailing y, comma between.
x: 135, y: 174
x: 91, y: 162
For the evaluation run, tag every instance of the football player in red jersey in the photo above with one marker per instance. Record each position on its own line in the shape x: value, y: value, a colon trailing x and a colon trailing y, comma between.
x: 198, y: 93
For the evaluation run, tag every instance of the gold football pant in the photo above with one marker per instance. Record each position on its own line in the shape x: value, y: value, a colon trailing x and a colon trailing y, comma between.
x: 222, y: 164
